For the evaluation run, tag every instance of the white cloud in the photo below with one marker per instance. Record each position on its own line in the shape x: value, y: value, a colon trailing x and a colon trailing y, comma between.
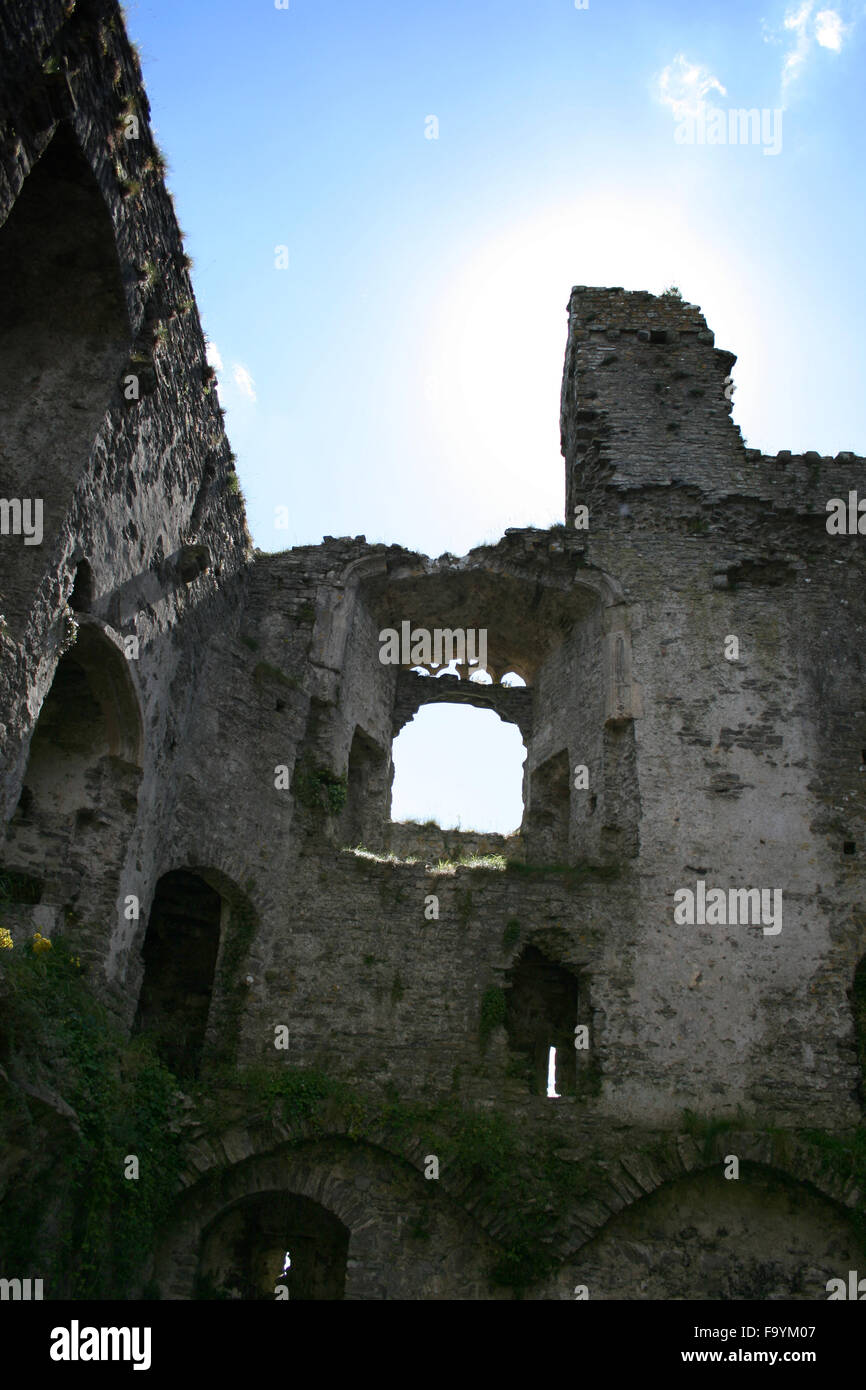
x: 212, y: 353
x: 683, y: 86
x: 825, y: 27
x: 829, y: 30
x: 243, y: 381
x: 797, y: 22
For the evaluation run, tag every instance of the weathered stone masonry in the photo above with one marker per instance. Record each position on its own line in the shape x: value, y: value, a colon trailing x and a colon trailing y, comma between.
x: 156, y: 775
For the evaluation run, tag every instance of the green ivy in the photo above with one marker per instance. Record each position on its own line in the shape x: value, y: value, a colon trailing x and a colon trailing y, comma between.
x: 492, y: 1013
x: 511, y: 935
x: 124, y: 1101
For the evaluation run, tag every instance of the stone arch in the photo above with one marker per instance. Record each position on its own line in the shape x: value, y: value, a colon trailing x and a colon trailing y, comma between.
x: 407, y: 1237
x: 702, y: 1236
x: 78, y: 801
x: 512, y: 704
x: 64, y: 337
x: 241, y: 1251
x: 194, y: 949
x: 524, y: 616
x: 99, y: 653
x: 376, y: 580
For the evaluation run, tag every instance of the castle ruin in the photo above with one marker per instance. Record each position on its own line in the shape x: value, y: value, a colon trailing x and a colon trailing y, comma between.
x: 350, y: 1049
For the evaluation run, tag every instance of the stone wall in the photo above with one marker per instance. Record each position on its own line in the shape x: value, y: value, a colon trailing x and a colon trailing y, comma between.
x: 139, y: 489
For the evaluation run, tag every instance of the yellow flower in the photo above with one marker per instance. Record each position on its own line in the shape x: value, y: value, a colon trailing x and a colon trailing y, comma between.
x: 40, y: 943
x: 6, y: 942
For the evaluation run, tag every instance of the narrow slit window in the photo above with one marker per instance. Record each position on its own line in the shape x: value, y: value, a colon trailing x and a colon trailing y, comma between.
x: 552, y: 1092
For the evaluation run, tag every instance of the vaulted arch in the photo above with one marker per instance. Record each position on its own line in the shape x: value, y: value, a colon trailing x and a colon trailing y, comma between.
x: 704, y: 1236
x: 78, y: 800
x: 271, y: 1245
x: 64, y: 337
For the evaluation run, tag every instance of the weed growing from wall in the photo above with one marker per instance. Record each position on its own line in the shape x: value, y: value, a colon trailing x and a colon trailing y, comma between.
x: 318, y: 789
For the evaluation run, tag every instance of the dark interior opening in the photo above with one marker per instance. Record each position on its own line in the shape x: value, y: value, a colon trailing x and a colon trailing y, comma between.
x: 180, y: 953
x: 81, y: 598
x: 243, y: 1251
x: 541, y: 1011
x: 64, y: 337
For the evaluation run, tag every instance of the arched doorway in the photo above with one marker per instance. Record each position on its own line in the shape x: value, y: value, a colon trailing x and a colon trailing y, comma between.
x: 270, y: 1242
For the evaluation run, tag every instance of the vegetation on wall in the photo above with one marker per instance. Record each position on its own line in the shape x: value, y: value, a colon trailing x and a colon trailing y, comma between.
x: 72, y: 1085
x: 67, y: 1067
x: 492, y: 1013
x: 318, y: 788
x: 100, y: 1227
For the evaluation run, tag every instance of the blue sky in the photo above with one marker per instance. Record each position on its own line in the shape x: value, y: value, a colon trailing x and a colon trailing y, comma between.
x: 401, y: 377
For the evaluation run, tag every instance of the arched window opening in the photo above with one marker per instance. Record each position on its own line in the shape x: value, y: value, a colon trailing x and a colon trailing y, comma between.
x: 64, y: 338
x: 461, y: 767
x: 511, y: 678
x: 78, y: 800
x: 275, y: 1240
x: 543, y: 1010
x: 180, y: 955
